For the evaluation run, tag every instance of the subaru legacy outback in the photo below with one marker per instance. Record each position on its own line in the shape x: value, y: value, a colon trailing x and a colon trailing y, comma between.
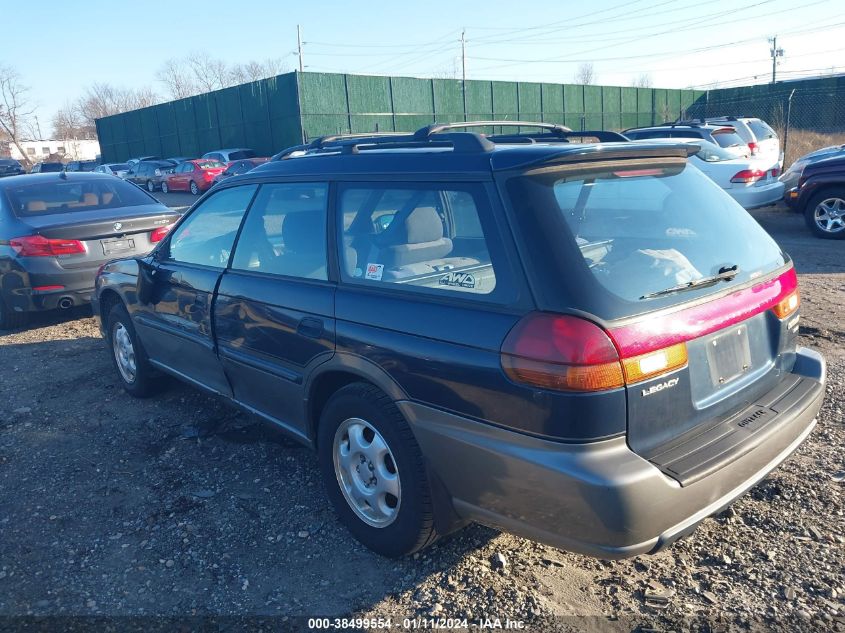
x: 590, y: 345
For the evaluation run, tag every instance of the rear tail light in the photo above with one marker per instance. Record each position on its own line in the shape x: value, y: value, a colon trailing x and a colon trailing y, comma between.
x: 563, y: 353
x: 747, y: 176
x: 156, y: 235
x: 787, y: 305
x: 567, y: 353
x: 775, y: 172
x: 38, y: 246
x: 754, y: 148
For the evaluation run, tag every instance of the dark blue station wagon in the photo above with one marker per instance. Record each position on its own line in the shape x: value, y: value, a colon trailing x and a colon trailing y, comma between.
x: 590, y: 345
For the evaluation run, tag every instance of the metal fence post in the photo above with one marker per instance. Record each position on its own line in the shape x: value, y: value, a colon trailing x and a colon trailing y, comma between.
x: 786, y: 123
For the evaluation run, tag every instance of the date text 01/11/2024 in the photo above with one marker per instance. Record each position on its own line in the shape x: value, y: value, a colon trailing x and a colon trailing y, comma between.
x: 419, y: 623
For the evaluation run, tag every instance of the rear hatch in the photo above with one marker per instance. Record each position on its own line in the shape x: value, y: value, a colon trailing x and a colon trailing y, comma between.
x: 698, y: 300
x: 87, y: 222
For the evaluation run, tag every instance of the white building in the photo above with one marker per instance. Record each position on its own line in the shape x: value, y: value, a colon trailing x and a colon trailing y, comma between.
x: 70, y: 149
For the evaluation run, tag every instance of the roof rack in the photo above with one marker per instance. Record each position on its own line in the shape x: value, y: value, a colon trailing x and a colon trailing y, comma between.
x: 445, y: 135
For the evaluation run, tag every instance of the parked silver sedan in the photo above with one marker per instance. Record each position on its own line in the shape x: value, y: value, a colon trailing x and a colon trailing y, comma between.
x: 115, y: 169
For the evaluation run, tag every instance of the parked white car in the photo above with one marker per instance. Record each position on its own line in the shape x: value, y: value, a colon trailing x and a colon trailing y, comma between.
x: 752, y: 182
x: 115, y: 169
x: 762, y: 140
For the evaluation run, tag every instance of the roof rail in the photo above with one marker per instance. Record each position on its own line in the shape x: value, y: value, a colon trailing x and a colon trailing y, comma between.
x: 437, y: 128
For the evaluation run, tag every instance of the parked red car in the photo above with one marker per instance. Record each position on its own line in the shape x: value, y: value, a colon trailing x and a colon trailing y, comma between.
x: 195, y: 176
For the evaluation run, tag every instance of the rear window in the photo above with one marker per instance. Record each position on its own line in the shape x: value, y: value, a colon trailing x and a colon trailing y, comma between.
x: 727, y: 137
x: 241, y: 154
x: 712, y: 153
x: 119, y: 167
x: 51, y: 167
x: 640, y: 230
x: 77, y: 195
x: 209, y: 164
x: 761, y: 130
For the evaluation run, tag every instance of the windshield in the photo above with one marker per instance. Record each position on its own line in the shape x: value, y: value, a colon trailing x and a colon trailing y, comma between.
x: 241, y: 154
x: 60, y: 196
x: 643, y: 229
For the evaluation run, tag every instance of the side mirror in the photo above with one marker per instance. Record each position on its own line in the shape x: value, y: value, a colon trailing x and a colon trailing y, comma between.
x: 146, y: 280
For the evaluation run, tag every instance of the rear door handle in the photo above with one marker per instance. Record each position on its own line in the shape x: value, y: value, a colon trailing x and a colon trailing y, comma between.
x: 310, y: 327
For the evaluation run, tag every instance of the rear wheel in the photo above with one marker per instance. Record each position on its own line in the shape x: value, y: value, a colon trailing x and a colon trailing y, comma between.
x: 9, y: 319
x: 151, y: 186
x: 825, y: 214
x: 194, y: 189
x: 137, y: 376
x: 164, y: 187
x: 374, y: 472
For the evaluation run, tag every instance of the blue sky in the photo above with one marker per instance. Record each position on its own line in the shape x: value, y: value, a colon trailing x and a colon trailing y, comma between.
x: 60, y: 47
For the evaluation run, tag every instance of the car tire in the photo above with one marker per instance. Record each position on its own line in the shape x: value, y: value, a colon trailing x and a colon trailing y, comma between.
x: 164, y: 187
x: 362, y: 435
x: 9, y: 319
x: 134, y: 370
x: 194, y: 189
x: 151, y: 186
x: 825, y: 214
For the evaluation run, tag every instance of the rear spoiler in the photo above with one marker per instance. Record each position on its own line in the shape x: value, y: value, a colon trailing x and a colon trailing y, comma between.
x: 595, y: 153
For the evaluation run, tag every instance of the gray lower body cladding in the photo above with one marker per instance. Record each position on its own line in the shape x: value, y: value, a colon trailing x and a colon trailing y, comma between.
x: 600, y: 498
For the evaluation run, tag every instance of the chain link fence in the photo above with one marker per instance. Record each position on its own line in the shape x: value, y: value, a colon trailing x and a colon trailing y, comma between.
x: 805, y: 119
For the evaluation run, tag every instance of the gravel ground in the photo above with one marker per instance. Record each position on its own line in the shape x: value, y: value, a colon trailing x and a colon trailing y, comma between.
x: 182, y: 506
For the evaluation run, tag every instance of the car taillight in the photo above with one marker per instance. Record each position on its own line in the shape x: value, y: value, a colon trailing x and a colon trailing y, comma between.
x: 39, y: 246
x: 560, y: 352
x: 748, y: 176
x: 775, y: 172
x: 156, y: 235
x: 754, y: 148
x: 787, y: 305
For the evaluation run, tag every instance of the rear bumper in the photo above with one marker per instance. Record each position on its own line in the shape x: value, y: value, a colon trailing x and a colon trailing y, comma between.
x: 599, y: 499
x: 759, y: 196
x: 47, y: 286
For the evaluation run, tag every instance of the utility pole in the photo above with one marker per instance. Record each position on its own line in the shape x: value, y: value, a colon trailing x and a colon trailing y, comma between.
x: 299, y: 46
x: 775, y: 52
x: 464, y: 69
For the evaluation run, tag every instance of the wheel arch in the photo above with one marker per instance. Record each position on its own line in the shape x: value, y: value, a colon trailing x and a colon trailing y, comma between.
x: 343, y: 369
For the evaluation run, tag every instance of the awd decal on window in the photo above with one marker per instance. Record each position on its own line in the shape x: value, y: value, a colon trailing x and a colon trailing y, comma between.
x: 374, y: 272
x: 458, y: 280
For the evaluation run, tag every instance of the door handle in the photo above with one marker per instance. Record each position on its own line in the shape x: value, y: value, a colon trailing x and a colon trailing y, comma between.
x: 310, y: 327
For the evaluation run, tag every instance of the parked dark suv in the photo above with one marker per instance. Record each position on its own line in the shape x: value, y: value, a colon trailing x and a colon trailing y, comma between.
x: 820, y: 196
x: 149, y: 174
x: 592, y: 346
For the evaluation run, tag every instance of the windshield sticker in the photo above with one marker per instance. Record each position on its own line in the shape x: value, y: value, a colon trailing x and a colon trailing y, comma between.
x: 374, y: 272
x: 458, y: 280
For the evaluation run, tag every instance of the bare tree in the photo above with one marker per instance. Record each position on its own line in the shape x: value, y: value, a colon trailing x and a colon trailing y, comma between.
x: 15, y: 108
x: 208, y: 73
x: 255, y: 70
x: 68, y: 123
x: 643, y: 81
x: 101, y: 100
x: 585, y: 75
x: 177, y: 79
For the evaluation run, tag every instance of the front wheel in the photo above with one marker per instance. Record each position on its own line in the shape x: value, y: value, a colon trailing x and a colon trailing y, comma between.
x: 137, y: 376
x: 164, y: 187
x: 374, y: 472
x: 825, y: 214
x: 194, y: 189
x: 151, y: 186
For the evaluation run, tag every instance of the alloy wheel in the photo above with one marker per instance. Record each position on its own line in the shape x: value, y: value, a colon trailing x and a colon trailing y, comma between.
x: 829, y: 215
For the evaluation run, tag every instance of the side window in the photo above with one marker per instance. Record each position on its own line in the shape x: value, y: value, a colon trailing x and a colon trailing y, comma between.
x: 424, y: 237
x: 285, y: 232
x: 206, y: 236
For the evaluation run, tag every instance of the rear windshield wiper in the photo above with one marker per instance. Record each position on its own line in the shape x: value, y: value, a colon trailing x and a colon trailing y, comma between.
x: 726, y: 273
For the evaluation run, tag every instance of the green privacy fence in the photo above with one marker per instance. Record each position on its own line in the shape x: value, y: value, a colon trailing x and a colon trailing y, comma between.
x: 272, y: 114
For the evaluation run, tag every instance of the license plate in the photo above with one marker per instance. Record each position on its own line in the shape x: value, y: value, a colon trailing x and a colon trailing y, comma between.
x: 111, y: 247
x: 729, y: 355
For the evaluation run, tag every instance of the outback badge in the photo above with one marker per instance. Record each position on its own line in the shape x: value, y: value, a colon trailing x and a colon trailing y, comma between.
x: 668, y: 384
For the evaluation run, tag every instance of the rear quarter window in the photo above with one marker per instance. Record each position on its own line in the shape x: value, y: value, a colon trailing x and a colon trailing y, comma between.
x: 426, y: 238
x: 761, y: 130
x: 727, y: 138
